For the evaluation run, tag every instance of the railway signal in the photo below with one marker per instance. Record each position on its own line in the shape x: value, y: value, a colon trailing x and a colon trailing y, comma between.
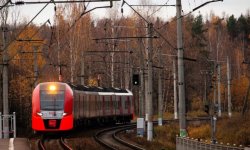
x: 206, y: 108
x: 136, y: 79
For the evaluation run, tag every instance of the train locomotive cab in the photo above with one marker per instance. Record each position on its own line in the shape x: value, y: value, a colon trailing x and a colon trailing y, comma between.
x: 52, y: 106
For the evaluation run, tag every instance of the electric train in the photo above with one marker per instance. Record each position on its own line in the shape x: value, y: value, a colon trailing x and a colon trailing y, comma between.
x: 58, y: 106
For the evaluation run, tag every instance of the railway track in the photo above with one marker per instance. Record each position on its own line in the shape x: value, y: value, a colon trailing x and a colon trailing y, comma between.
x: 40, y: 144
x: 61, y: 144
x: 109, y: 139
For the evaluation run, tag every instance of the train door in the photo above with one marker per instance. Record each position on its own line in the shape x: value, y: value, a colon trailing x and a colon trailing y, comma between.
x: 124, y: 106
x: 132, y: 104
x: 75, y: 102
x: 76, y: 105
x: 99, y: 104
x: 96, y: 106
x: 116, y: 105
x: 81, y: 112
x: 92, y: 107
x: 88, y: 106
x: 107, y: 100
x: 128, y: 104
x: 103, y: 105
x: 120, y: 105
x: 85, y: 105
x: 111, y: 105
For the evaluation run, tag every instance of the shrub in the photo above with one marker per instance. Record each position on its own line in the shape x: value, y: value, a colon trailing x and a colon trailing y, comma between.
x: 202, y: 132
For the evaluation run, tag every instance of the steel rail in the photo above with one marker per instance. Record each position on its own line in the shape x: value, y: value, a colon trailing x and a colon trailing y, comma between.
x: 41, y: 144
x: 104, y: 144
x: 64, y: 145
x: 130, y: 126
x: 124, y: 142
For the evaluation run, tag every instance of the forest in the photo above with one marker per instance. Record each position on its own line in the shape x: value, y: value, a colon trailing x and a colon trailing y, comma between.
x: 108, y: 51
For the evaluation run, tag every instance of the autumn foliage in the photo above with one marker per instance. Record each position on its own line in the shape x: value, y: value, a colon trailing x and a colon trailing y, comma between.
x: 84, y: 52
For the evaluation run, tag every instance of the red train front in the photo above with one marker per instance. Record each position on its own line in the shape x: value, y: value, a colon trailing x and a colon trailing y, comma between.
x: 52, y: 107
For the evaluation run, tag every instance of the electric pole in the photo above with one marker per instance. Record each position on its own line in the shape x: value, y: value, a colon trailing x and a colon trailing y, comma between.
x: 35, y: 65
x: 82, y: 69
x: 219, y: 95
x: 126, y: 70
x: 60, y: 71
x: 160, y: 101
x: 72, y: 68
x: 58, y: 48
x: 149, y: 95
x: 112, y: 58
x: 175, y: 91
x: 229, y: 89
x: 214, y: 88
x: 205, y: 90
x: 141, y: 89
x: 5, y: 87
x: 181, y: 84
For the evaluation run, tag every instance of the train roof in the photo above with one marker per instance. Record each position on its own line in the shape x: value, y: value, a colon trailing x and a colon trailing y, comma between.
x: 97, y: 89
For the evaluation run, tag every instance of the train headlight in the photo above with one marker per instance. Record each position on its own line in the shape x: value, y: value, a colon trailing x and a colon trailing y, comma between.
x: 52, y: 87
x: 39, y: 114
x: 64, y: 114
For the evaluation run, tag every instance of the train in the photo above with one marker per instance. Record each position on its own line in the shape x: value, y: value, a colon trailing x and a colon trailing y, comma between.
x: 58, y: 106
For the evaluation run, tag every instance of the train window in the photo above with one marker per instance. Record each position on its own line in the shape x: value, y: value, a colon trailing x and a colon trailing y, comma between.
x: 53, y: 101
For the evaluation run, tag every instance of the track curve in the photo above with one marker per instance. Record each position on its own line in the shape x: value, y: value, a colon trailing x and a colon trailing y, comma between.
x: 109, y: 139
x: 43, y: 144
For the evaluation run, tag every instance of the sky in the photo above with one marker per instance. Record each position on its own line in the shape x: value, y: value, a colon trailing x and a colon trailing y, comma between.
x: 228, y: 7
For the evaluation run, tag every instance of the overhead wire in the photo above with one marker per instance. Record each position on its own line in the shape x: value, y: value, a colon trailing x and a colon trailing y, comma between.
x: 4, y: 5
x: 193, y: 10
x: 82, y: 14
x: 55, y: 10
x: 28, y: 40
x: 24, y: 28
x: 189, y: 4
x: 85, y: 12
x: 158, y: 9
x: 166, y: 40
x: 69, y: 28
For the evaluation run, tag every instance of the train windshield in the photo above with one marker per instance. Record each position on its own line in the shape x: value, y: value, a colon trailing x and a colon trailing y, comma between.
x: 52, y: 101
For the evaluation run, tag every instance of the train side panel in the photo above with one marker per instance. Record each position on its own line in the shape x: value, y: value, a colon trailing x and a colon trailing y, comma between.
x: 92, y: 106
x: 103, y: 107
x: 126, y: 105
x: 67, y: 119
x: 37, y: 122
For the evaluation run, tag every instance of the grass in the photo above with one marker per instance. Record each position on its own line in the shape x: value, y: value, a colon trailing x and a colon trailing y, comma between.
x: 202, y: 132
x: 198, y: 113
x: 235, y: 130
x: 164, y: 138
